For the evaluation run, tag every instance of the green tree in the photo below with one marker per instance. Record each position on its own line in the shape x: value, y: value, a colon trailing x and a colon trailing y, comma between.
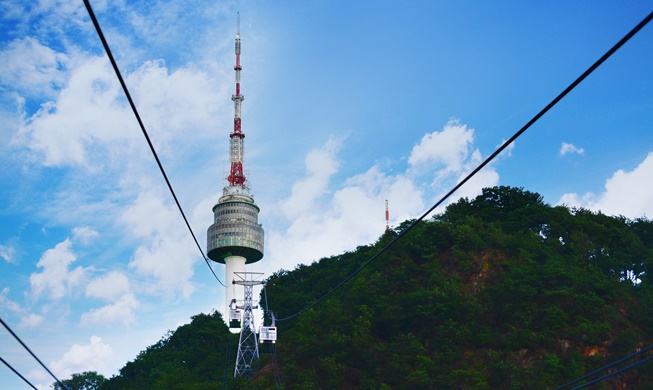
x: 88, y: 380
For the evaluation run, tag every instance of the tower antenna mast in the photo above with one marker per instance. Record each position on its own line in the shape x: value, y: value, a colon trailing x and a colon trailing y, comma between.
x: 236, y: 145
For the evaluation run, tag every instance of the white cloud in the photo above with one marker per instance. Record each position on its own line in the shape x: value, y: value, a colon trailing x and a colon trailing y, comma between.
x: 626, y: 193
x: 320, y: 165
x: 7, y: 253
x: 353, y: 215
x: 167, y: 252
x: 123, y: 311
x: 31, y: 68
x: 449, y: 147
x: 30, y: 321
x: 84, y: 234
x: 486, y: 177
x: 325, y: 221
x: 507, y: 152
x: 108, y: 287
x: 8, y: 303
x: 89, y: 123
x: 174, y: 104
x: 87, y: 114
x: 56, y: 278
x: 94, y: 356
x: 570, y: 148
x: 449, y: 156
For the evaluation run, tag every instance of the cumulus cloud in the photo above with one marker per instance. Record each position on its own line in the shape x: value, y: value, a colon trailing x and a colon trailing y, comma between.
x: 94, y: 356
x: 167, y: 252
x: 449, y: 156
x: 330, y: 221
x: 174, y: 103
x: 486, y: 177
x: 88, y: 123
x: 84, y: 234
x: 108, y: 287
x: 86, y: 114
x: 325, y: 220
x: 570, y: 148
x: 6, y: 303
x: 31, y: 68
x: 445, y: 150
x: 56, y: 278
x: 7, y: 253
x: 626, y: 193
x: 30, y: 321
x: 320, y: 165
x: 123, y: 311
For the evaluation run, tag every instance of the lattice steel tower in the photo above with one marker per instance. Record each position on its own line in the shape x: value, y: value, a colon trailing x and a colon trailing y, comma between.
x: 236, y: 237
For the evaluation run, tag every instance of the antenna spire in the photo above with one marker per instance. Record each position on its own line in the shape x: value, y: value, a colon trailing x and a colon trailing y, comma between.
x: 236, y: 145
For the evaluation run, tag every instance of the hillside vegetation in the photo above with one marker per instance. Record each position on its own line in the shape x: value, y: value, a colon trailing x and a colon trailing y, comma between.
x: 499, y: 292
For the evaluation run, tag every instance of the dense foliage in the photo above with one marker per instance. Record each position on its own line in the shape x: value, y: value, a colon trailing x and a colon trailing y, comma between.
x: 87, y: 380
x: 499, y: 292
x: 193, y: 357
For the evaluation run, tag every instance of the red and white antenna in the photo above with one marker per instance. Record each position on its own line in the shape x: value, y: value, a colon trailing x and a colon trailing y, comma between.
x: 236, y: 145
x: 387, y: 216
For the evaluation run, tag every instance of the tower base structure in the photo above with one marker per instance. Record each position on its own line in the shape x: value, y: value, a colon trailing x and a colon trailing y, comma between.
x: 247, y: 345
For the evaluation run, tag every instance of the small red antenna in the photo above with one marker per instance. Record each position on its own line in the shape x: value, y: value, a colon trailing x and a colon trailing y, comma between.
x: 387, y: 216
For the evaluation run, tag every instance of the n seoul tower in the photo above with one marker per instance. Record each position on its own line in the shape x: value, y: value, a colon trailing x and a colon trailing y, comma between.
x: 236, y: 237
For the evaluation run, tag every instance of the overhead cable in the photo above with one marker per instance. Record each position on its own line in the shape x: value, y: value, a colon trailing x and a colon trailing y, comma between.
x: 507, y: 143
x: 641, y: 351
x: 31, y: 353
x: 147, y: 137
x: 597, y: 380
x: 17, y: 373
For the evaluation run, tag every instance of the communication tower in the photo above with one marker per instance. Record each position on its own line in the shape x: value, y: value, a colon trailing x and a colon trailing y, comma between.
x: 236, y: 238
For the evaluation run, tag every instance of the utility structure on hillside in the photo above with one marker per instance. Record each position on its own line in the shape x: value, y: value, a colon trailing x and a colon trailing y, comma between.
x: 236, y: 237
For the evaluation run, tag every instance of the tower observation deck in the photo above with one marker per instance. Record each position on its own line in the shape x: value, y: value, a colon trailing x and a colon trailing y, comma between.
x: 235, y: 230
x: 235, y: 238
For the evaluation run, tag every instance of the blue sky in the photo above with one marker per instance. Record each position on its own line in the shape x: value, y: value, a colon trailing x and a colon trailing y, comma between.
x: 346, y: 104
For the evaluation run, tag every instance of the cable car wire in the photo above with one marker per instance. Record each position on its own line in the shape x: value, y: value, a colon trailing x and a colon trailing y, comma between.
x: 613, y: 373
x: 555, y: 101
x: 147, y: 137
x: 17, y: 373
x: 31, y: 353
x: 641, y: 351
x: 265, y: 294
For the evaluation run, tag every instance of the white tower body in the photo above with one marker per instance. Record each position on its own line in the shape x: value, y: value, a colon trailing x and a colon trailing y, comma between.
x: 234, y: 264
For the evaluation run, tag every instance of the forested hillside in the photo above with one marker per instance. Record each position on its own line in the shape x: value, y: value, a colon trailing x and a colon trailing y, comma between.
x: 499, y: 292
